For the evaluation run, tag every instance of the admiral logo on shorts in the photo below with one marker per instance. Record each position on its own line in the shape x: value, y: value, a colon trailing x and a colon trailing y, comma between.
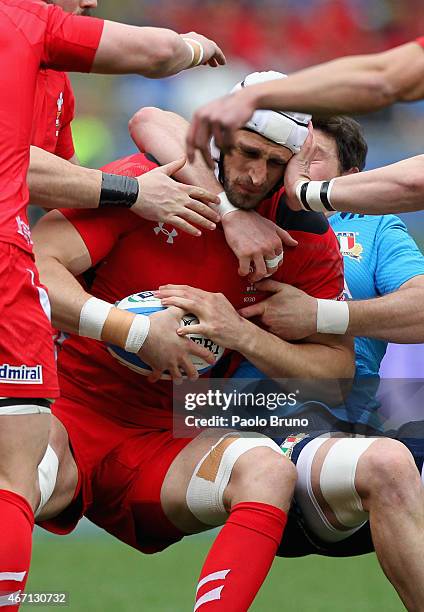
x: 21, y: 375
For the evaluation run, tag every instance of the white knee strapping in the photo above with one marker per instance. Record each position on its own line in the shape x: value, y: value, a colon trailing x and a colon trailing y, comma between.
x: 207, y: 485
x: 47, y: 476
x: 23, y: 409
x: 337, y: 480
x: 337, y: 483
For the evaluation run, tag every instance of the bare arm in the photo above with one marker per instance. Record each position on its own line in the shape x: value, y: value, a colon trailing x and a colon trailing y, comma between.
x: 396, y: 317
x: 318, y: 357
x: 356, y: 84
x: 56, y: 183
x: 151, y: 52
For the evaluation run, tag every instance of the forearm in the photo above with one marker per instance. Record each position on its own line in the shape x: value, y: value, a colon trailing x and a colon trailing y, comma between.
x: 150, y: 52
x: 280, y: 359
x: 163, y: 134
x: 67, y: 297
x: 56, y: 183
x: 356, y: 84
x: 397, y: 317
x: 393, y: 189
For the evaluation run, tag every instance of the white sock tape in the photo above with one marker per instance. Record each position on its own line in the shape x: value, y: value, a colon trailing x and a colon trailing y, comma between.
x: 225, y: 205
x: 93, y: 317
x: 332, y: 317
x: 137, y: 333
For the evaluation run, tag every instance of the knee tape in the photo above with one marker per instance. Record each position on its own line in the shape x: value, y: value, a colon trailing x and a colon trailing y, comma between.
x: 207, y: 485
x: 337, y: 480
x: 47, y: 476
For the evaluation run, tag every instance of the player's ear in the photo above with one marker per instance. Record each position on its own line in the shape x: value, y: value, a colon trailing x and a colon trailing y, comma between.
x: 353, y: 170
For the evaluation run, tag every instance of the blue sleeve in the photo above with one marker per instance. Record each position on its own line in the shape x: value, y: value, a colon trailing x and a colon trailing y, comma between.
x: 398, y: 257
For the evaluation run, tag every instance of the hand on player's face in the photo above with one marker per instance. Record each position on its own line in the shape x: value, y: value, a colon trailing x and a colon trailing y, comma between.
x: 218, y: 320
x: 298, y: 169
x: 255, y: 241
x: 219, y: 119
x: 181, y: 206
x: 164, y: 350
x: 289, y: 313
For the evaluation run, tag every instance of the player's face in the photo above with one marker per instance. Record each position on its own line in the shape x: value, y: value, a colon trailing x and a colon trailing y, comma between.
x: 253, y: 168
x: 77, y: 7
x: 326, y: 164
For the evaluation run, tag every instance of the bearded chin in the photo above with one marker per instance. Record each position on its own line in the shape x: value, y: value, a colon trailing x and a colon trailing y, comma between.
x: 86, y: 12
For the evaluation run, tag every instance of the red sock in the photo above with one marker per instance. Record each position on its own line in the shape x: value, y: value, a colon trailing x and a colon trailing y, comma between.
x: 240, y: 558
x: 16, y: 524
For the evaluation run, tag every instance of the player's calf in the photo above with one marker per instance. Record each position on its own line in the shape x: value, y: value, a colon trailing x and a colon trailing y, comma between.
x: 246, y: 482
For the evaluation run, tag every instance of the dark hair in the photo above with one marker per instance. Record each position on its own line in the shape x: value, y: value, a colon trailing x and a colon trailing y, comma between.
x: 352, y: 148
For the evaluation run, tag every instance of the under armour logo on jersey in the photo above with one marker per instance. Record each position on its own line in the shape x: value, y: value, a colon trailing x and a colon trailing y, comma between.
x: 160, y: 229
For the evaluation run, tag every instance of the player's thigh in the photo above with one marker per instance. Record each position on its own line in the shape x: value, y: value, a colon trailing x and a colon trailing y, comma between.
x: 23, y: 440
x: 220, y: 468
x: 326, y: 491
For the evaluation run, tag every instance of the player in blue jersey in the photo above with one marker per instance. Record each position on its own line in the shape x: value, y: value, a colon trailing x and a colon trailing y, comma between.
x: 355, y: 495
x: 384, y: 276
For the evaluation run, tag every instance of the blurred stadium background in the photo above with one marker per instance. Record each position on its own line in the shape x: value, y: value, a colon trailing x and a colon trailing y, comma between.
x: 285, y: 35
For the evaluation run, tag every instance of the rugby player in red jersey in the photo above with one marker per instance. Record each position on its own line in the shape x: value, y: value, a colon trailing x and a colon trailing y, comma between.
x: 35, y: 35
x: 134, y: 478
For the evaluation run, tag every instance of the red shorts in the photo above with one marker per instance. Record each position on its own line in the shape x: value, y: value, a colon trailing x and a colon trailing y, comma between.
x: 27, y: 362
x: 121, y: 471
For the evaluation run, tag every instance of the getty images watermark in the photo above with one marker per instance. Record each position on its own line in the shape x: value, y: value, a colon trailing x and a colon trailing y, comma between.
x: 226, y: 403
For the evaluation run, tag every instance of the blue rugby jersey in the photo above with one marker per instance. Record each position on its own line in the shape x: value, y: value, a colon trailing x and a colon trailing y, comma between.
x: 379, y: 257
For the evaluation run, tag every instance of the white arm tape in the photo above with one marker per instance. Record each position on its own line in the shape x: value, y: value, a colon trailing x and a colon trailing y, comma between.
x: 225, y: 205
x: 137, y: 333
x: 190, y: 42
x: 314, y: 196
x: 93, y: 317
x: 332, y: 317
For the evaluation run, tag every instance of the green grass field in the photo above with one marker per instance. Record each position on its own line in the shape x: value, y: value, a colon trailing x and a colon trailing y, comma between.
x: 102, y: 575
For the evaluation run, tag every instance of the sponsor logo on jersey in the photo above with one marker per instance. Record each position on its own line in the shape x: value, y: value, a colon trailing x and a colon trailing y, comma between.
x: 349, y: 246
x: 21, y: 375
x: 160, y: 229
x: 60, y: 102
x: 289, y: 443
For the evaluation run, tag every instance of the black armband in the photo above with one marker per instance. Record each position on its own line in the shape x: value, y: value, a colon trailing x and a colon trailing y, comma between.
x: 118, y: 191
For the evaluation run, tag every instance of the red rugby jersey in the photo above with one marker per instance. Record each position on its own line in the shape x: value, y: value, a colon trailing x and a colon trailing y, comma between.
x: 54, y: 111
x: 130, y: 254
x: 420, y: 41
x: 32, y: 34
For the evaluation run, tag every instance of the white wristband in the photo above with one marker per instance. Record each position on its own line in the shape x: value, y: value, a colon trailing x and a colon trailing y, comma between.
x: 225, y: 205
x: 137, y: 333
x: 315, y: 195
x: 332, y: 317
x: 93, y: 316
x: 192, y: 52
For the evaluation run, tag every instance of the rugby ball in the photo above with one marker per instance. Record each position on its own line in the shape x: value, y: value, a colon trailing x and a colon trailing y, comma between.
x: 146, y: 303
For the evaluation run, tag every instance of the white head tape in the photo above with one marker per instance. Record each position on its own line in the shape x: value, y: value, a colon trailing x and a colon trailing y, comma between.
x: 287, y: 129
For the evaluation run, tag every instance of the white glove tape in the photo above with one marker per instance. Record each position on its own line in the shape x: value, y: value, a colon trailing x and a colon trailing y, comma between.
x: 332, y: 317
x: 137, y: 333
x: 225, y: 205
x: 93, y: 317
